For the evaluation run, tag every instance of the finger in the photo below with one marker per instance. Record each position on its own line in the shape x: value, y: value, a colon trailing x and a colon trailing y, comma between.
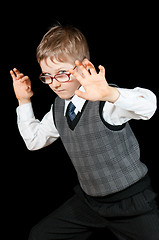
x: 20, y: 76
x: 28, y: 89
x: 26, y: 78
x: 82, y: 68
x: 77, y: 75
x: 102, y: 70
x: 16, y: 71
x: 89, y: 66
x: 81, y: 94
x: 12, y: 75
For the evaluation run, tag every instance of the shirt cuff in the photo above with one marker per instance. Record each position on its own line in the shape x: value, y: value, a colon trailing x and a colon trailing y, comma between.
x: 25, y: 112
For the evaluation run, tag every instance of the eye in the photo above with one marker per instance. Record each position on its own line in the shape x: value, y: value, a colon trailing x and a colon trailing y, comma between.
x: 62, y: 71
x: 46, y: 74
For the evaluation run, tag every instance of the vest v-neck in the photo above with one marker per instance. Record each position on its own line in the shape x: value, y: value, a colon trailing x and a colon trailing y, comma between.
x: 72, y: 124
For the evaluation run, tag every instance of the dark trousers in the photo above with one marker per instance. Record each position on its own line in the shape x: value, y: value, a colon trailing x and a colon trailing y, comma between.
x: 133, y: 218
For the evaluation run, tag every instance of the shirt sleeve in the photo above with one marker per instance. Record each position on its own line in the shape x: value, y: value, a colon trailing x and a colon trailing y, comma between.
x: 36, y: 134
x: 137, y: 103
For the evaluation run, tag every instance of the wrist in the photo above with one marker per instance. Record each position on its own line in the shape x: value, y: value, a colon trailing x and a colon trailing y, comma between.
x: 114, y: 94
x: 24, y: 101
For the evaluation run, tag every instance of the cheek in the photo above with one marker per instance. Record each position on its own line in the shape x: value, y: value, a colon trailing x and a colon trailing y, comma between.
x: 72, y: 86
x: 75, y: 84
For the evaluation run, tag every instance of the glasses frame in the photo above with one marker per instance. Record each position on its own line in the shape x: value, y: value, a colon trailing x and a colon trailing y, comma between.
x: 54, y: 77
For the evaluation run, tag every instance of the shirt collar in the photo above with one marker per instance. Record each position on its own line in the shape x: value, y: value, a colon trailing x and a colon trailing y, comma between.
x: 77, y: 101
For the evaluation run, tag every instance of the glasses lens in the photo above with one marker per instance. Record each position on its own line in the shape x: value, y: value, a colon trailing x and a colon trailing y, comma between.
x: 46, y: 79
x: 62, y: 77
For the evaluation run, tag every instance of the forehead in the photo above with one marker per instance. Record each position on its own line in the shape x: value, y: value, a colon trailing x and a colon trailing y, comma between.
x: 49, y: 66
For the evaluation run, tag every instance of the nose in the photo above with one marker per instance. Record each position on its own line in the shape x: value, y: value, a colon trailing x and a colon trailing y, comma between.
x: 56, y: 84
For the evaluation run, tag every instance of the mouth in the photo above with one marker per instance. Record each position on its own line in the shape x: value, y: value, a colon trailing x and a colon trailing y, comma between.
x: 58, y: 91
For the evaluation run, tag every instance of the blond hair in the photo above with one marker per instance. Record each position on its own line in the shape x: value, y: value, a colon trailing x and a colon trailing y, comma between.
x: 63, y: 43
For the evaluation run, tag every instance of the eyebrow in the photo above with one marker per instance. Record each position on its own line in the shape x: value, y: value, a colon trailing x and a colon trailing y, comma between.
x: 46, y: 73
x: 57, y: 70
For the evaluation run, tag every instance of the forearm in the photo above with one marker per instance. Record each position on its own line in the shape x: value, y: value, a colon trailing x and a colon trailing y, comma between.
x: 140, y: 102
x: 35, y: 134
x: 137, y: 103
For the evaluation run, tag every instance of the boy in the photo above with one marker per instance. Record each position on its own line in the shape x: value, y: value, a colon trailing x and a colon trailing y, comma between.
x: 91, y: 117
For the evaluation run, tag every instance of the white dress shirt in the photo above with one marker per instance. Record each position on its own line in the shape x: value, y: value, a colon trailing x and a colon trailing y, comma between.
x: 137, y: 103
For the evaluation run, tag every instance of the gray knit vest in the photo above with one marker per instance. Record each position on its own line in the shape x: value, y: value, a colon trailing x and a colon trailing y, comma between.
x: 106, y: 157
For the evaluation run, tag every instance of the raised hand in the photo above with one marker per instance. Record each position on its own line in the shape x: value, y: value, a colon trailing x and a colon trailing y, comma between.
x: 95, y: 84
x: 22, y: 86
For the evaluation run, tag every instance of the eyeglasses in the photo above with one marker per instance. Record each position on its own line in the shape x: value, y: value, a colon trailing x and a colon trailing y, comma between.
x: 60, y: 77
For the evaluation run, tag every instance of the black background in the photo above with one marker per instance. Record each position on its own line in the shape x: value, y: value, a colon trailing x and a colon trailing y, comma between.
x: 124, y: 39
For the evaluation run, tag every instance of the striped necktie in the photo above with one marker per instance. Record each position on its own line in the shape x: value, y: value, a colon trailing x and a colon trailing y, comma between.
x: 70, y: 112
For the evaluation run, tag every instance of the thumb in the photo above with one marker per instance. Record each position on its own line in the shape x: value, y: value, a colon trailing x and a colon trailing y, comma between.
x: 81, y: 94
x: 102, y: 70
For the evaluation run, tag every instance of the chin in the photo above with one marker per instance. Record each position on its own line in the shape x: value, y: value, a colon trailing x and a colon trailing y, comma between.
x: 65, y: 96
